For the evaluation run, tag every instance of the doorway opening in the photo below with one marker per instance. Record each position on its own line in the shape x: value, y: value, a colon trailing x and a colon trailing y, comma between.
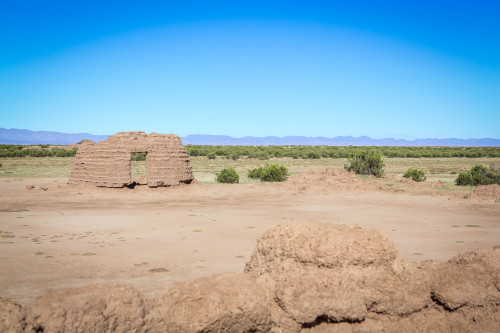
x: 138, y: 166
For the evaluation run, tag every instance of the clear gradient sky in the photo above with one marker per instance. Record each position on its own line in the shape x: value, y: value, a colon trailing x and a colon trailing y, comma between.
x: 402, y: 69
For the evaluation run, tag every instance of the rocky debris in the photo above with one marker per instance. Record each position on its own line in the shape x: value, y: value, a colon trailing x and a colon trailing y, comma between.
x: 310, y: 277
x: 94, y: 308
x: 11, y: 317
x: 107, y: 163
x: 485, y: 192
x: 30, y: 187
x: 226, y: 302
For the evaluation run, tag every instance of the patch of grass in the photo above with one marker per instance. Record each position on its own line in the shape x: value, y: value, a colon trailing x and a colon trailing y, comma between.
x: 38, y: 167
x: 88, y: 254
x: 7, y: 236
x: 197, y: 230
x: 459, y: 242
x: 472, y: 226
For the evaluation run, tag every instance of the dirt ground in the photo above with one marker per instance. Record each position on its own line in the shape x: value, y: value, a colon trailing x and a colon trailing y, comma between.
x: 150, y: 238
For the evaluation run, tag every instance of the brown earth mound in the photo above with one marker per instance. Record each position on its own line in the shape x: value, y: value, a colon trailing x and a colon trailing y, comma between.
x: 320, y: 180
x: 348, y: 279
x: 317, y: 277
x: 11, y: 317
x: 411, y: 182
x: 485, y: 192
x: 94, y: 308
x: 226, y: 302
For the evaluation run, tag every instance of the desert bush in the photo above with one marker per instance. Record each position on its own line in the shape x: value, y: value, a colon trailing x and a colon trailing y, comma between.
x: 274, y: 173
x: 464, y: 178
x: 415, y: 174
x: 367, y: 162
x: 228, y: 175
x: 211, y: 156
x: 255, y: 173
x: 479, y: 175
x: 138, y: 157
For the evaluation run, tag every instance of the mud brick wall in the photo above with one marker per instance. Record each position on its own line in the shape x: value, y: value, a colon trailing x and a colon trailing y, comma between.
x: 107, y: 163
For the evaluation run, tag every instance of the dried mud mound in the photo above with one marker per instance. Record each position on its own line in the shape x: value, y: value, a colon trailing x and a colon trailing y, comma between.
x: 327, y: 277
x: 320, y: 181
x: 11, y: 317
x: 225, y: 302
x: 330, y: 179
x: 313, y: 277
x: 94, y: 308
x: 485, y: 192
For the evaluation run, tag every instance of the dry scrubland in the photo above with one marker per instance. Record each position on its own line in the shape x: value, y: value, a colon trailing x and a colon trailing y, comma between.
x: 205, y: 169
x: 54, y: 236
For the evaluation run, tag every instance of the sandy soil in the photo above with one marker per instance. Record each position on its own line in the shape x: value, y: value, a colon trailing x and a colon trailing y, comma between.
x: 150, y: 238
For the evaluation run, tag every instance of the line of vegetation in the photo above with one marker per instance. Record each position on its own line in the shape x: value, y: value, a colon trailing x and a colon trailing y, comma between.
x: 316, y: 152
x: 43, y: 151
x: 479, y: 175
x: 267, y: 152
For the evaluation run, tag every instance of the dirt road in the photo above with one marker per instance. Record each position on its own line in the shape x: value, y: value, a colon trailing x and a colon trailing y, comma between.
x: 151, y: 238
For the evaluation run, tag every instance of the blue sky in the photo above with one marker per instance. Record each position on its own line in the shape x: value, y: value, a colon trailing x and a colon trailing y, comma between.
x: 402, y: 69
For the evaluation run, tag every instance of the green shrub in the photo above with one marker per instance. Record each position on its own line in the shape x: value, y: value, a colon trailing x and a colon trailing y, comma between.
x: 138, y: 157
x: 464, y: 178
x: 479, y: 175
x: 255, y: 173
x: 211, y: 156
x: 228, y: 175
x: 415, y: 174
x: 274, y: 173
x: 366, y: 162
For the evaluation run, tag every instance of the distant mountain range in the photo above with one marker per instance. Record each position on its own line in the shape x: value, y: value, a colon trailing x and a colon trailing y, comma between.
x: 336, y: 141
x: 27, y: 137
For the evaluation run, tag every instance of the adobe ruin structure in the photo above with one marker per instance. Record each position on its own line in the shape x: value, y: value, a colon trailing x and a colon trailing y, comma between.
x: 107, y: 163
